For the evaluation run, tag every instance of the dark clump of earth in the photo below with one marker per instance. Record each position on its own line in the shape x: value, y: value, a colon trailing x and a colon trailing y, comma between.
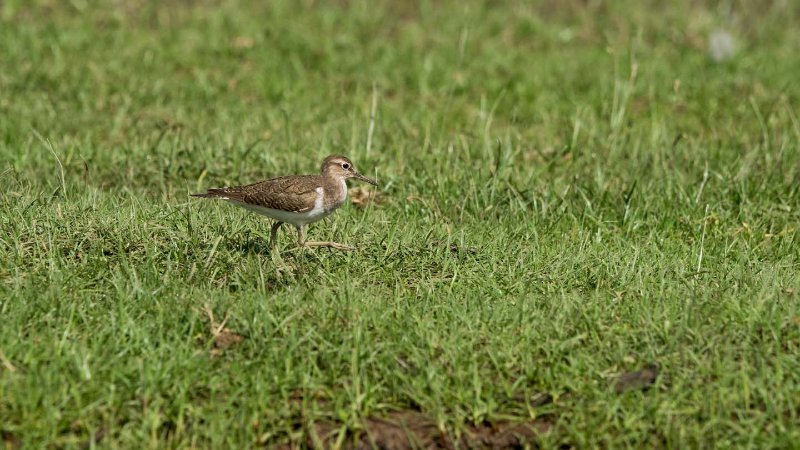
x: 414, y: 430
x: 637, y: 380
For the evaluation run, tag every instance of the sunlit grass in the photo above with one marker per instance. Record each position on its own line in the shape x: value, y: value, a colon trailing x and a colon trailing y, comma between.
x: 567, y: 193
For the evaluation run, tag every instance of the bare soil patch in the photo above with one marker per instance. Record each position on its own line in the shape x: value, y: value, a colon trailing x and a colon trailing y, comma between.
x: 414, y: 430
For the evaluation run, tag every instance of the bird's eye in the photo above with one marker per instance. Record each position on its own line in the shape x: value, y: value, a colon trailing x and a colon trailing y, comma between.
x: 345, y: 166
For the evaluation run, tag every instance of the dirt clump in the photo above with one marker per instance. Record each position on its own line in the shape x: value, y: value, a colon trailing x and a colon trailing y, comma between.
x: 637, y: 380
x: 413, y: 430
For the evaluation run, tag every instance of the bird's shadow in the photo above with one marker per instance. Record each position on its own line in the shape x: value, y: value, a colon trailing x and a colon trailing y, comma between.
x: 257, y: 245
x: 252, y: 244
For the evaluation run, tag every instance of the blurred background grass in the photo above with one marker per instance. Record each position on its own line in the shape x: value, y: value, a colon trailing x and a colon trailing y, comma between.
x: 110, y: 76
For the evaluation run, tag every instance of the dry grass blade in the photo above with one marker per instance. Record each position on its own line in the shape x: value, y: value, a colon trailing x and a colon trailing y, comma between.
x: 6, y: 363
x: 361, y: 196
x: 224, y: 338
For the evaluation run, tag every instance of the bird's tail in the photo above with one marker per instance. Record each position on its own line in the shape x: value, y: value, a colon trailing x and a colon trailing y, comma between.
x: 219, y: 193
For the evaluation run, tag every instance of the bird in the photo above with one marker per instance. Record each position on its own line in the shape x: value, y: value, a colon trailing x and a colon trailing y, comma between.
x: 296, y: 199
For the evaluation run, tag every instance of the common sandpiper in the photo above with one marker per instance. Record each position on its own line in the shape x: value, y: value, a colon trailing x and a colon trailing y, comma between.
x: 296, y: 199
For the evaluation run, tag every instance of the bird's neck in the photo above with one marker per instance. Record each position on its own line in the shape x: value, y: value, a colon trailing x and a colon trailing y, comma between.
x: 334, y: 191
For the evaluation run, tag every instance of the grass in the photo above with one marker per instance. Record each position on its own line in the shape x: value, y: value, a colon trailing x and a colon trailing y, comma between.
x: 569, y: 192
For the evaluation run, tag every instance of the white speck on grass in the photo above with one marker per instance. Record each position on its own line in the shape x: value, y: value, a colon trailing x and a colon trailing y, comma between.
x: 566, y: 35
x: 721, y: 45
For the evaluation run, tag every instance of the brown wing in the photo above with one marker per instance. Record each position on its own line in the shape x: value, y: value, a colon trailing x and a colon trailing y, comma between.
x: 293, y: 193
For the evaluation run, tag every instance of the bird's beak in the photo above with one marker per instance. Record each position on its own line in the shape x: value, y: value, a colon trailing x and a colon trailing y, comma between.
x: 358, y: 176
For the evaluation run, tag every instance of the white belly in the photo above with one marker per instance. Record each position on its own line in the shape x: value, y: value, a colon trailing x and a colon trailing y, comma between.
x: 295, y: 218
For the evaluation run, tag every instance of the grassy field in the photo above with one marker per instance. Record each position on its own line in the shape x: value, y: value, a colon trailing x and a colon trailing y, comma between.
x: 569, y: 191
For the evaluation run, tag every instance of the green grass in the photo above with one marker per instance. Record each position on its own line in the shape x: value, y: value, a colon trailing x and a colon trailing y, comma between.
x: 569, y: 193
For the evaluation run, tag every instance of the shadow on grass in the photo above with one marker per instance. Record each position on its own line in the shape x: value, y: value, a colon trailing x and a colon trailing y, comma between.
x: 297, y: 260
x: 251, y: 244
x: 289, y: 252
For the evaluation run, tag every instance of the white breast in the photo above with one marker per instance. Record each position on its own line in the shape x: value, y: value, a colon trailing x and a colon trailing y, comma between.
x: 341, y: 196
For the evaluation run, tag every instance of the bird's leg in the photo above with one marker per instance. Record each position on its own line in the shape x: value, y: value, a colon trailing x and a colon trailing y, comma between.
x: 301, y: 241
x: 273, y: 234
